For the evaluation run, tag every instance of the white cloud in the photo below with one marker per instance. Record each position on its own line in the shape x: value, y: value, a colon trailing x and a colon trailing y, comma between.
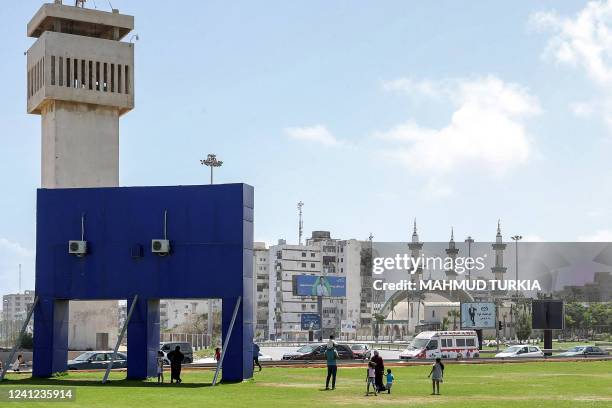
x: 599, y: 236
x: 313, y: 134
x: 11, y: 255
x: 485, y: 130
x: 533, y: 238
x: 583, y: 41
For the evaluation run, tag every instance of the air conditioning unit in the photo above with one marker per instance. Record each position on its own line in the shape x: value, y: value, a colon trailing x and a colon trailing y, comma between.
x: 78, y: 248
x: 160, y: 246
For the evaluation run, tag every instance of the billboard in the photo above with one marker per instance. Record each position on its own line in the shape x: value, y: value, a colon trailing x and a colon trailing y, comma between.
x: 327, y: 286
x: 478, y: 315
x: 547, y: 314
x: 311, y: 321
x: 348, y: 326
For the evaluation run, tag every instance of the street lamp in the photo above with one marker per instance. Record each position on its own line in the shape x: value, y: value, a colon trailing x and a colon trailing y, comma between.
x: 212, y: 162
x: 516, y: 239
x: 469, y: 241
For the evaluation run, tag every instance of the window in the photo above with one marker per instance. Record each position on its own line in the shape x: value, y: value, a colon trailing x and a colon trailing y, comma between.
x: 533, y: 349
x: 470, y: 342
x: 303, y: 254
x: 312, y: 265
x: 312, y: 254
x: 53, y: 70
x: 460, y: 342
x: 303, y: 264
x: 432, y: 345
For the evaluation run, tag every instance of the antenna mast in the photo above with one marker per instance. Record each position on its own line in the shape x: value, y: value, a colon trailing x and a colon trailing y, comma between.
x: 301, y: 223
x: 19, y: 278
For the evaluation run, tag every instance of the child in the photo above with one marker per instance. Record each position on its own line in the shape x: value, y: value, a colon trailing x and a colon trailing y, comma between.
x: 371, y: 378
x: 217, y: 354
x: 436, y: 374
x: 160, y: 367
x: 390, y: 379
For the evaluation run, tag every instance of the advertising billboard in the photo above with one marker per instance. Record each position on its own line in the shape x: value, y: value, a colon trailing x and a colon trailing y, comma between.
x: 326, y: 286
x: 478, y: 315
x: 348, y: 326
x: 547, y: 314
x: 310, y: 321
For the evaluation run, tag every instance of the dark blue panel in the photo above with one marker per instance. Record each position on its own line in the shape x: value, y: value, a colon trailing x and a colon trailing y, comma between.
x: 210, y: 229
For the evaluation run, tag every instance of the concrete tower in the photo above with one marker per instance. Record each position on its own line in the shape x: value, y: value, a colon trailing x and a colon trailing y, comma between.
x: 499, y: 269
x: 80, y: 80
x: 451, y: 252
x: 415, y: 251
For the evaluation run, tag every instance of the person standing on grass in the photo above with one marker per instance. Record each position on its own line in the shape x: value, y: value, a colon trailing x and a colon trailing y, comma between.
x: 160, y: 367
x: 380, y: 370
x: 217, y: 355
x: 176, y: 359
x: 371, y: 378
x: 390, y: 379
x: 256, y: 356
x: 331, y: 355
x: 436, y: 374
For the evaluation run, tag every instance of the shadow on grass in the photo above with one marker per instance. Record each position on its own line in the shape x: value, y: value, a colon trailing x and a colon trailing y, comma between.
x: 66, y: 382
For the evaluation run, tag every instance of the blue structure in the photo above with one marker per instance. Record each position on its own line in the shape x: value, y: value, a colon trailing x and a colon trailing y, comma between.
x: 210, y: 229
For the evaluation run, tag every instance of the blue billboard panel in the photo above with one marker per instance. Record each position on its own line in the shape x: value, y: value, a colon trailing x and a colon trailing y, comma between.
x: 327, y: 286
x: 311, y: 321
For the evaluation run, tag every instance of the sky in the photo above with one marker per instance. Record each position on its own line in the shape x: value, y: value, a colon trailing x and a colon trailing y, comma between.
x: 373, y: 113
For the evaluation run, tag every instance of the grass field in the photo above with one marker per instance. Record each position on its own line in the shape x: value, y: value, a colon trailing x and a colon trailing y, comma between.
x: 537, y: 384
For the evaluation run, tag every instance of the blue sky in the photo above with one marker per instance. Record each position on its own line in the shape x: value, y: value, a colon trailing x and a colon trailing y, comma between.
x: 371, y: 113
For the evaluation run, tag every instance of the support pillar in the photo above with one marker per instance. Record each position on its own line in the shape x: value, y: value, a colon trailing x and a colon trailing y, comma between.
x: 143, y: 339
x: 51, y: 339
x: 238, y: 362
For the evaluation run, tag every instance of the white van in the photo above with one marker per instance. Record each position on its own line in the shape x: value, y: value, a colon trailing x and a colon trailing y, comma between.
x: 443, y: 344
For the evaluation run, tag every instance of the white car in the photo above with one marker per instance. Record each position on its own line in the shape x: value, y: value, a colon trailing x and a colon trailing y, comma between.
x: 264, y: 357
x: 520, y: 351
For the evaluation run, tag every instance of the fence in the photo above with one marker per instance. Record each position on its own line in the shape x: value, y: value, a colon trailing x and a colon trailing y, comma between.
x: 198, y: 341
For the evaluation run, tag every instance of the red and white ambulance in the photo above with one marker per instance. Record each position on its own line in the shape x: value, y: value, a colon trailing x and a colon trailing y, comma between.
x: 443, y: 344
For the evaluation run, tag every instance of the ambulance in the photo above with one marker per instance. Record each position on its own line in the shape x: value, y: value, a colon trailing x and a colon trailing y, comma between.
x: 443, y: 344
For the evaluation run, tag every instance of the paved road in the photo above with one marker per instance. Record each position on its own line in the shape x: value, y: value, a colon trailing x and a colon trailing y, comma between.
x: 277, y: 352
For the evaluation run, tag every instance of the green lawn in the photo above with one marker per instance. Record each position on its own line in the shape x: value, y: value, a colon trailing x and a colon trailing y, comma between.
x: 537, y: 384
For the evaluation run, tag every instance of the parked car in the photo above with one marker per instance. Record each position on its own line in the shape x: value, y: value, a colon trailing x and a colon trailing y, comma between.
x: 361, y: 351
x: 520, y: 351
x: 169, y: 346
x: 443, y: 344
x: 584, y: 351
x: 97, y: 360
x: 317, y: 352
x: 264, y: 357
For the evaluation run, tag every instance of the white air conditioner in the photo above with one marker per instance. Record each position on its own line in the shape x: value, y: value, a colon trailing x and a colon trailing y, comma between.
x: 78, y: 248
x: 160, y: 246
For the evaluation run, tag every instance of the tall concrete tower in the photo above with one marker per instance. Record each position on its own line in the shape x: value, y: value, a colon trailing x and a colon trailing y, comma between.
x: 80, y: 80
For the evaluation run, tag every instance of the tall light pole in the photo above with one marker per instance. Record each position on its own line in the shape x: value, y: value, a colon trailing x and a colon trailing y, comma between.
x: 469, y: 241
x: 212, y: 162
x: 300, y: 222
x: 516, y: 239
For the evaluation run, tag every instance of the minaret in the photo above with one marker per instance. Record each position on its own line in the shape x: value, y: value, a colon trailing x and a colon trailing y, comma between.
x: 499, y: 269
x: 451, y: 252
x: 80, y: 80
x: 415, y: 251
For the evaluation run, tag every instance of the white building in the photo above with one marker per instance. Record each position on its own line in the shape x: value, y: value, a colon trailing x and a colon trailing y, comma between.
x: 15, y: 306
x: 277, y: 293
x: 261, y: 289
x: 173, y: 313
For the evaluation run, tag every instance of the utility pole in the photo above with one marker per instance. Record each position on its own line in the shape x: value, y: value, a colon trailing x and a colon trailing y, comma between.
x: 19, y: 278
x: 370, y: 238
x: 516, y: 240
x: 300, y: 222
x: 212, y: 162
x: 469, y: 241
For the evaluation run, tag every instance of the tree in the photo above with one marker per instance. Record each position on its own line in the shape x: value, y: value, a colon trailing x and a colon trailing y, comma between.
x: 445, y: 323
x: 380, y: 319
x: 454, y: 314
x: 523, y: 327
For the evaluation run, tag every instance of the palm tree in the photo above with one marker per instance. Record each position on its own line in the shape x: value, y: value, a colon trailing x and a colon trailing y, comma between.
x: 380, y: 319
x: 445, y: 323
x: 454, y: 314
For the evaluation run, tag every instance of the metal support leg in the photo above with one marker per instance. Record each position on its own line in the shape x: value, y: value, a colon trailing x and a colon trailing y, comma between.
x: 226, y: 342
x: 21, y: 333
x: 119, y: 340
